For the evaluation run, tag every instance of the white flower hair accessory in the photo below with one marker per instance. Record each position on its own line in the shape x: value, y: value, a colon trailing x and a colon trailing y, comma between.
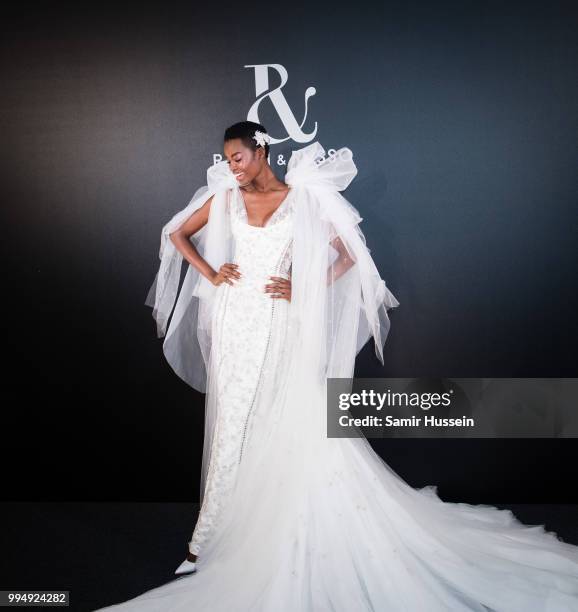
x: 261, y: 138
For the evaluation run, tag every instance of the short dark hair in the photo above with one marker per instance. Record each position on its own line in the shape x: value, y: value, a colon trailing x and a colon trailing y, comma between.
x: 245, y: 130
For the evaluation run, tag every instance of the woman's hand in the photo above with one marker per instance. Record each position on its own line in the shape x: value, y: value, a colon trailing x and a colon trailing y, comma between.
x: 280, y: 288
x: 226, y: 273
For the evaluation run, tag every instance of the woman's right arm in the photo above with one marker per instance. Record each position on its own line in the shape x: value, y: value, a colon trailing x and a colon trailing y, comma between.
x: 180, y: 238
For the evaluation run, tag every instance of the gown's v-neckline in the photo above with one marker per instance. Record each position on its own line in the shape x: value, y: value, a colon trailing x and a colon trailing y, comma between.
x: 244, y: 205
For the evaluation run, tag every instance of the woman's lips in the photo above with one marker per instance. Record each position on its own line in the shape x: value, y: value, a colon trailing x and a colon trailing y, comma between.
x: 240, y: 175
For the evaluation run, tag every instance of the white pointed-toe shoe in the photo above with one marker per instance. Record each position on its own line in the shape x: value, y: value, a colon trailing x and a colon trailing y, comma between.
x: 186, y: 567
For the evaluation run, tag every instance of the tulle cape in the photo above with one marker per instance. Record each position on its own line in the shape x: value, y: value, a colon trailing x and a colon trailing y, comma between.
x: 330, y: 322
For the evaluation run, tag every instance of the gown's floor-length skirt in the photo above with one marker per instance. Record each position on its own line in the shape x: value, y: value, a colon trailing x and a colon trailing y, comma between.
x: 364, y: 540
x: 298, y: 522
x: 353, y: 536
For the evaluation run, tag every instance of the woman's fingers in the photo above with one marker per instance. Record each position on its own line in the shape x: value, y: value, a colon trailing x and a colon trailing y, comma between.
x: 232, y: 270
x: 281, y: 287
x: 229, y: 272
x: 280, y: 283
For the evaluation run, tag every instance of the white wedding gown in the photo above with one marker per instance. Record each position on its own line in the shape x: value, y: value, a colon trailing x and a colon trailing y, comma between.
x: 331, y: 527
x: 250, y: 343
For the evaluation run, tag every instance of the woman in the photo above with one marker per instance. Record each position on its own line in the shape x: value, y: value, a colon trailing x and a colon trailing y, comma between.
x: 281, y: 294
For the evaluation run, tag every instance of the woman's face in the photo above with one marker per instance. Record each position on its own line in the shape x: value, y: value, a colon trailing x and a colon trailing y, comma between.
x: 244, y: 163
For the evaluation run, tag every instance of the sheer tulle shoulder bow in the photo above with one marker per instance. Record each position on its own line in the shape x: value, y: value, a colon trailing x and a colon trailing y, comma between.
x: 309, y: 166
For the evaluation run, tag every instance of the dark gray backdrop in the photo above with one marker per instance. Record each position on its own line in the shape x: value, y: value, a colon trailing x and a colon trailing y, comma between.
x: 462, y: 121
